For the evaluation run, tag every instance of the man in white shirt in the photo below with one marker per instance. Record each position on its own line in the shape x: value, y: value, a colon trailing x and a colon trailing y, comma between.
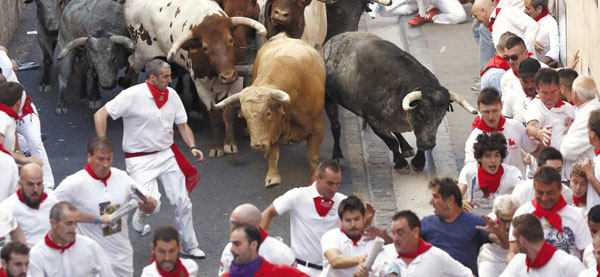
x: 566, y: 77
x: 10, y: 173
x: 63, y: 252
x: 272, y: 249
x: 313, y: 211
x: 98, y: 191
x: 593, y: 271
x: 563, y: 225
x: 9, y: 228
x: 592, y: 167
x: 519, y: 91
x: 15, y: 259
x: 575, y: 145
x: 438, y: 11
x: 30, y: 205
x: 547, y: 41
x: 411, y: 254
x: 165, y: 249
x: 593, y: 223
x: 536, y: 256
x: 150, y: 152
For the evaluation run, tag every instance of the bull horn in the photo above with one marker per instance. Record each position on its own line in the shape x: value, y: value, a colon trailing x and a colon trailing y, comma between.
x: 281, y: 96
x: 72, y: 45
x: 236, y: 20
x: 123, y: 40
x: 382, y: 2
x: 458, y: 99
x: 177, y: 44
x: 228, y: 101
x: 409, y: 98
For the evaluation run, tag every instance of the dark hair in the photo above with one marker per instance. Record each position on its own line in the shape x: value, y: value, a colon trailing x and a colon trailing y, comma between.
x: 566, y: 76
x: 514, y: 41
x: 2, y: 78
x: 352, y: 203
x: 165, y: 233
x: 447, y: 187
x: 327, y: 164
x: 594, y: 214
x: 411, y: 218
x: 594, y: 122
x: 56, y: 212
x: 548, y: 176
x: 529, y: 227
x: 252, y: 234
x: 536, y: 3
x: 546, y: 76
x: 100, y: 143
x: 10, y: 93
x: 548, y: 154
x: 13, y: 247
x: 489, y: 96
x: 489, y: 142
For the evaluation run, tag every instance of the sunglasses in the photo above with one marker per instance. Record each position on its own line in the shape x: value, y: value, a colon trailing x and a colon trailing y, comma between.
x: 508, y: 58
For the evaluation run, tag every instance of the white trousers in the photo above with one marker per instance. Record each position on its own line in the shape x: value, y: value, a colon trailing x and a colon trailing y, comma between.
x: 399, y: 8
x: 146, y: 170
x: 451, y: 11
x: 29, y: 133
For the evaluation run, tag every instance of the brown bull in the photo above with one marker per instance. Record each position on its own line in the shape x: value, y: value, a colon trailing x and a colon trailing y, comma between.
x: 285, y: 102
x: 244, y: 36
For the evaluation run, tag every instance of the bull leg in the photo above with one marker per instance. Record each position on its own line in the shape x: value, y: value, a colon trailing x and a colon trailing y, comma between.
x: 313, y: 145
x: 94, y: 98
x: 197, y: 108
x: 407, y: 150
x: 47, y: 51
x: 272, y: 156
x: 230, y: 146
x: 331, y: 108
x: 401, y: 165
x: 66, y: 69
x: 418, y: 162
x: 216, y: 121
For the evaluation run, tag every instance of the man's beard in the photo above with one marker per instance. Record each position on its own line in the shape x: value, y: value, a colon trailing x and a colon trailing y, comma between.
x: 8, y: 274
x: 30, y: 203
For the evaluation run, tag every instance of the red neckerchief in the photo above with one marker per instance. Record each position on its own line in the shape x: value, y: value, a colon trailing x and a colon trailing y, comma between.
x: 422, y: 247
x: 481, y: 125
x: 179, y: 271
x: 20, y: 196
x: 559, y: 103
x: 597, y: 151
x: 27, y: 109
x: 544, y: 13
x: 489, y: 183
x: 542, y: 257
x: 516, y: 73
x: 10, y: 112
x: 354, y: 241
x: 323, y: 205
x: 51, y: 244
x: 579, y: 200
x: 493, y: 19
x: 263, y: 234
x: 2, y: 149
x: 91, y: 172
x: 2, y: 273
x: 598, y: 270
x: 160, y: 96
x: 495, y: 62
x: 475, y: 122
x: 551, y: 215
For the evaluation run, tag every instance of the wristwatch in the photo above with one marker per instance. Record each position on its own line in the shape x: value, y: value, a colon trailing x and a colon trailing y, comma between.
x: 194, y: 147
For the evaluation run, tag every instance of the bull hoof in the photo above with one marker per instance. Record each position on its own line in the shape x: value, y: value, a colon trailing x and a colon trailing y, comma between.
x: 416, y: 168
x: 216, y: 153
x: 272, y: 181
x: 403, y: 170
x: 94, y: 104
x: 60, y: 109
x: 408, y: 153
x: 45, y: 88
x: 230, y: 148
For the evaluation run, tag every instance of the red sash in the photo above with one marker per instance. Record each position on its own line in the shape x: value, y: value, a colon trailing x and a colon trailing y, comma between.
x: 160, y: 96
x: 542, y: 257
x: 551, y: 215
x: 354, y: 241
x: 495, y: 62
x: 93, y: 175
x: 544, y: 13
x: 421, y: 248
x: 489, y: 183
x: 180, y: 270
x: 323, y: 205
x: 51, y: 244
x: 481, y: 125
x: 20, y: 196
x: 9, y: 111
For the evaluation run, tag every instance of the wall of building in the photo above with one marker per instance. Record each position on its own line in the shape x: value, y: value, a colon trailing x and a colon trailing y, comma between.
x: 10, y: 15
x: 583, y: 34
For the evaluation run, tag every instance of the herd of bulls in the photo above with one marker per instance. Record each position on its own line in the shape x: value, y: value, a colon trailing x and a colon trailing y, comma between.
x: 320, y: 62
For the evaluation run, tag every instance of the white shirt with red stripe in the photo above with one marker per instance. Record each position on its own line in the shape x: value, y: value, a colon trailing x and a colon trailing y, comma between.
x: 151, y: 270
x: 510, y: 19
x: 8, y: 129
x: 525, y: 192
x: 146, y: 128
x: 555, y: 117
x: 10, y: 175
x: 92, y: 196
x: 548, y: 37
x: 560, y: 265
x: 434, y: 262
x: 336, y: 239
x: 33, y: 222
x: 8, y: 223
x: 306, y: 226
x: 84, y: 258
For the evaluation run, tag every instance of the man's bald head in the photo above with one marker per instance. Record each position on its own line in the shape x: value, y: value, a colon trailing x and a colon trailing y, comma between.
x: 482, y: 10
x: 585, y: 87
x: 484, y: 4
x: 245, y: 214
x: 31, y: 171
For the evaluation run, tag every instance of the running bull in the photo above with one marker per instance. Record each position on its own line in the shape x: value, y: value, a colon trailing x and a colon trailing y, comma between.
x: 285, y: 102
x: 389, y: 89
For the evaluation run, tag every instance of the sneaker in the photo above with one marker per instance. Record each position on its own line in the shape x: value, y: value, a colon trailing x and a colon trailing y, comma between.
x: 416, y: 21
x: 195, y: 253
x: 138, y: 222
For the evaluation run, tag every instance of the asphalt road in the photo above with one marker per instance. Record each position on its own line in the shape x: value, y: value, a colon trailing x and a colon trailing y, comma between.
x: 225, y: 183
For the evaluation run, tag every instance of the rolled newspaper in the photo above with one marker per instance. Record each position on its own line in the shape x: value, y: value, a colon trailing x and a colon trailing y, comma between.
x: 123, y: 210
x: 375, y: 249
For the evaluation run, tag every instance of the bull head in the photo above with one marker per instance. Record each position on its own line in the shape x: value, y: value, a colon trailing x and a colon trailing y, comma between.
x: 49, y: 12
x: 243, y: 35
x: 287, y: 16
x: 416, y: 95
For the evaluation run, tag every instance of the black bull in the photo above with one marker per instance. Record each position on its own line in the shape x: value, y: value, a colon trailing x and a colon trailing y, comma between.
x: 389, y: 89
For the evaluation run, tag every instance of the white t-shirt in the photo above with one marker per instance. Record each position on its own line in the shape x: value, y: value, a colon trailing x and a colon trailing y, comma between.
x: 574, y: 237
x: 10, y: 175
x: 191, y: 267
x: 556, y: 117
x: 92, y: 197
x: 434, y: 262
x: 492, y: 257
x: 560, y: 265
x: 588, y: 258
x: 514, y: 100
x: 548, y: 37
x: 84, y: 258
x: 7, y: 68
x: 575, y: 146
x: 514, y: 3
x: 525, y: 192
x: 8, y: 223
x: 335, y: 239
x: 146, y: 128
x: 35, y: 223
x: 592, y: 198
x: 517, y: 22
x: 590, y: 272
x: 274, y: 250
x: 516, y: 140
x: 306, y: 226
x: 468, y: 176
x: 8, y: 128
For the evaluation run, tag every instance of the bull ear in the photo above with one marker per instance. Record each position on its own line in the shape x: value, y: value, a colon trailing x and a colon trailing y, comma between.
x: 192, y: 45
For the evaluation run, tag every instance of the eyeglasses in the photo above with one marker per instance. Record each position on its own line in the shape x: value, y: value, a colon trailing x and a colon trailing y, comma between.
x: 513, y: 57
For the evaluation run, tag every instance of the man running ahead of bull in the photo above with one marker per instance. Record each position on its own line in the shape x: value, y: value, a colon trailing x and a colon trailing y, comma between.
x: 149, y: 111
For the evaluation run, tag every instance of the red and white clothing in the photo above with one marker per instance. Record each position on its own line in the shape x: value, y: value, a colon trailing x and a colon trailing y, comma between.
x: 516, y: 140
x: 504, y: 181
x: 33, y: 222
x: 267, y: 269
x: 525, y: 192
x: 510, y: 19
x: 451, y: 11
x: 273, y: 249
x: 433, y: 262
x: 560, y: 264
x: 575, y: 146
x: 574, y: 236
x: 8, y: 223
x: 491, y: 261
x: 337, y: 239
x: 191, y: 268
x: 514, y: 99
x: 556, y: 117
x: 306, y: 225
x: 590, y: 272
x: 548, y: 37
x: 83, y: 258
x: 10, y: 175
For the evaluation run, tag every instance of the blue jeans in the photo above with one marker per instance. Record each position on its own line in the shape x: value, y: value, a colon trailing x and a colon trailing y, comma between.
x: 483, y: 37
x: 491, y: 79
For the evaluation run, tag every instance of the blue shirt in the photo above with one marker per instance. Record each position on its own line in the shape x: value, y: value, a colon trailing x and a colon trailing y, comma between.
x: 460, y: 239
